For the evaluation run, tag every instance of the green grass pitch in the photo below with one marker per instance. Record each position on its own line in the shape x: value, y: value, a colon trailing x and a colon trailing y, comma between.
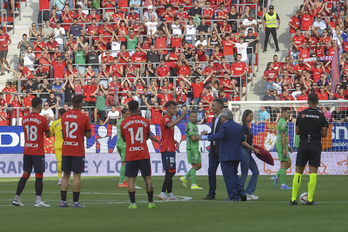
x: 107, y: 208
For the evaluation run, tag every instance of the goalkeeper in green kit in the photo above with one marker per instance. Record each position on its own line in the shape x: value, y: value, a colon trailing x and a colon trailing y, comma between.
x: 121, y: 148
x: 283, y: 148
x: 192, y: 149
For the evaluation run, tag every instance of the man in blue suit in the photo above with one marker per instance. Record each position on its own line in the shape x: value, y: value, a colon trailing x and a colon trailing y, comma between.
x: 231, y: 137
x: 217, y: 106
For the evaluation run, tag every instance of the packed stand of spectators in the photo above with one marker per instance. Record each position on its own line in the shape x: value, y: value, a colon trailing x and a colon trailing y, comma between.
x: 316, y: 31
x: 115, y: 52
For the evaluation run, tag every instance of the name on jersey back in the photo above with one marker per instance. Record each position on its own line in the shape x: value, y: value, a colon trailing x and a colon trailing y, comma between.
x: 32, y: 120
x: 134, y: 121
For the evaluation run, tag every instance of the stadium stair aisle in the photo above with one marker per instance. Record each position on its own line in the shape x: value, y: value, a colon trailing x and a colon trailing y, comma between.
x: 29, y: 15
x: 285, y: 9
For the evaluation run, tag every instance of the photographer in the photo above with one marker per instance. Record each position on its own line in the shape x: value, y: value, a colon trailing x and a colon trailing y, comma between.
x: 68, y: 90
x: 45, y: 88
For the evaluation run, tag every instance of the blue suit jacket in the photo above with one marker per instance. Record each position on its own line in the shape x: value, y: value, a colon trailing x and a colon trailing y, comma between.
x: 231, y: 136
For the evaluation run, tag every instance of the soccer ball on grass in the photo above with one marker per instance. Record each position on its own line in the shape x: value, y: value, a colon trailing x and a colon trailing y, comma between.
x: 304, y: 198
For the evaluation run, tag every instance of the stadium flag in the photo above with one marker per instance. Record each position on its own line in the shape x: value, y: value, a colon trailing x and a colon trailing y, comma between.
x: 335, y: 70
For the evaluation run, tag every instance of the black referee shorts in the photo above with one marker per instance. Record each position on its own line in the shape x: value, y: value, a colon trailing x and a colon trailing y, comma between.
x: 308, y: 152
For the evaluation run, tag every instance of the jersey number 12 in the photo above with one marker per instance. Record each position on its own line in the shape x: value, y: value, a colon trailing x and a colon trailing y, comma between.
x: 70, y: 128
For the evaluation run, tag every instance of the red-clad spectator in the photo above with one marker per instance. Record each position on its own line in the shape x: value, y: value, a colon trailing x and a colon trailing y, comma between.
x: 70, y: 72
x: 210, y: 69
x: 161, y: 42
x: 139, y: 86
x: 221, y: 13
x: 117, y: 16
x: 132, y: 15
x: 113, y: 86
x: 182, y: 14
x: 286, y: 79
x: 58, y: 67
x: 125, y: 87
x: 51, y: 45
x: 156, y: 112
x: 228, y: 47
x: 269, y: 75
x: 54, y: 19
x: 341, y: 95
x: 181, y: 92
x: 88, y: 91
x: 93, y: 15
x: 239, y: 70
x: 319, y: 50
x: 122, y: 30
x: 107, y: 30
x: 70, y: 43
x: 227, y: 85
x: 67, y: 17
x: 299, y: 67
x: 288, y: 66
x: 138, y: 57
x: 168, y: 14
x: 101, y: 43
x: 303, y: 96
x: 116, y: 69
x: 183, y: 67
x: 276, y: 65
x: 162, y: 70
x: 209, y: 116
x: 216, y: 55
x: 197, y: 88
x: 3, y: 102
x: 176, y: 40
x: 3, y: 116
x: 306, y: 19
x: 26, y: 73
x: 166, y: 85
x: 316, y: 70
x: 208, y: 12
x: 16, y: 103
x: 285, y: 95
x: 222, y: 68
x: 123, y: 5
x: 38, y: 46
x: 298, y: 39
x: 294, y: 23
x: 127, y: 99
x: 200, y: 54
x: 80, y: 16
x: 165, y: 96
x: 304, y: 50
x: 323, y: 93
x: 139, y: 29
x: 207, y: 98
x: 123, y: 56
x: 131, y: 71
x: 107, y: 59
x: 110, y: 5
x: 27, y: 102
x: 93, y: 29
x: 8, y: 89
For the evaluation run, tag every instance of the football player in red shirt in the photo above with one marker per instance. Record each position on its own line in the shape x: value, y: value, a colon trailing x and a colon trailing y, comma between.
x: 135, y: 130
x: 167, y: 149
x: 34, y: 128
x: 75, y: 127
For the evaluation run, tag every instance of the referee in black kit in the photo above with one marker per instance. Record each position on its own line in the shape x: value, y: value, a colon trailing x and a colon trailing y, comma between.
x: 311, y: 125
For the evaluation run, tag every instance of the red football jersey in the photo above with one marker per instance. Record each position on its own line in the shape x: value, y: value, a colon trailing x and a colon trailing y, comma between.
x: 136, y: 129
x: 74, y: 124
x: 34, y: 126
x: 167, y: 135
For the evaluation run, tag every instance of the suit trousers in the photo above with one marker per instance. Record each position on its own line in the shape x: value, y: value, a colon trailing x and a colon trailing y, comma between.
x: 233, y: 184
x: 213, y: 166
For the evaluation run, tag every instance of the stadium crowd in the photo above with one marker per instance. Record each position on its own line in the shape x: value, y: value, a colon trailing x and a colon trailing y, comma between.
x: 113, y: 52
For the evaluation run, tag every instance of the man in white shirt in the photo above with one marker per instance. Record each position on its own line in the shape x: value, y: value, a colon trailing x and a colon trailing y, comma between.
x: 47, y: 112
x: 28, y: 59
x: 151, y: 26
x: 319, y: 25
x: 249, y: 22
x: 59, y: 32
x: 201, y: 41
x: 149, y: 13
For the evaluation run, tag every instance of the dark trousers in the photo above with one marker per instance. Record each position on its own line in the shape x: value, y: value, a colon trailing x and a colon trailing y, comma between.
x: 213, y: 166
x: 233, y: 184
x: 272, y: 31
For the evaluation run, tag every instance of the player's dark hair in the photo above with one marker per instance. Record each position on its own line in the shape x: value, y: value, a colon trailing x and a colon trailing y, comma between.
x: 61, y: 111
x: 193, y: 112
x: 285, y: 109
x: 36, y: 102
x: 124, y: 110
x: 133, y: 105
x: 170, y: 103
x: 77, y: 101
x: 219, y: 102
x: 313, y: 98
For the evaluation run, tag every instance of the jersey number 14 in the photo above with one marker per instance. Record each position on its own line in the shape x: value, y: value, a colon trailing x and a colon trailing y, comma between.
x: 139, y: 136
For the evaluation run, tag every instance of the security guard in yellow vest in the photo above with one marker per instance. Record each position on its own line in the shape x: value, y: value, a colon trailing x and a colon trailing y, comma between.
x: 270, y: 26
